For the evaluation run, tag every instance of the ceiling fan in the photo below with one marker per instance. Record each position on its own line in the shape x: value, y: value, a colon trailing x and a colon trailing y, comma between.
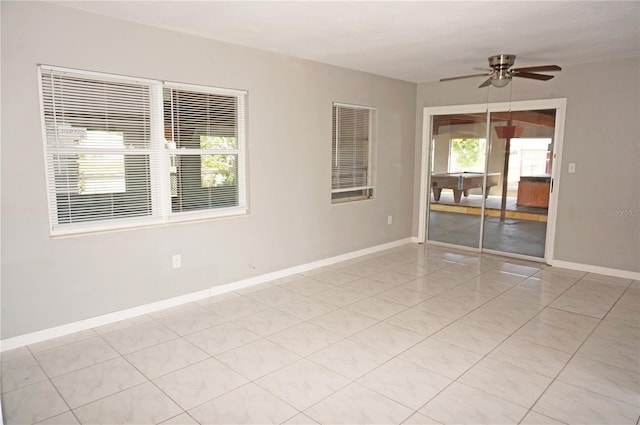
x: 501, y: 72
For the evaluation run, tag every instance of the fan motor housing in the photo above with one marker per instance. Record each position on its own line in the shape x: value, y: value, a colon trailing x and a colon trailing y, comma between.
x: 502, y: 61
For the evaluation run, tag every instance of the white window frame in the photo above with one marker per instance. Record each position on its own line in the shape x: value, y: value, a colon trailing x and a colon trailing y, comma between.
x: 240, y: 151
x: 360, y: 192
x: 158, y: 154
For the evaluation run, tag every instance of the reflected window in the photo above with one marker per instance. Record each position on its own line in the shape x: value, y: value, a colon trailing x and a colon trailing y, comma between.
x: 467, y: 155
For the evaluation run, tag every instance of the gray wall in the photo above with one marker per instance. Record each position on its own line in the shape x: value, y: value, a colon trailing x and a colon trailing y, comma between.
x: 49, y: 282
x: 598, y: 206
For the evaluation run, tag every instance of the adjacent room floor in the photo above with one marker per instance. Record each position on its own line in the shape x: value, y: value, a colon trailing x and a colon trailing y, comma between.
x: 523, y: 237
x: 413, y: 335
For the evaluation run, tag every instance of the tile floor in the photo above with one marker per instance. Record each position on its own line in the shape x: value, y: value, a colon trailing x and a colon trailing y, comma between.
x: 413, y: 335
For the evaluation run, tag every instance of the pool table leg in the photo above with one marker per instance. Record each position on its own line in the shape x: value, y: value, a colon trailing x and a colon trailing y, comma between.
x: 457, y: 195
x: 436, y: 193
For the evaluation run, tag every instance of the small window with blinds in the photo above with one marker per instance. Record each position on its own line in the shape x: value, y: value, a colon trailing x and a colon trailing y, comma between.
x: 206, y: 154
x: 352, y: 153
x: 109, y: 166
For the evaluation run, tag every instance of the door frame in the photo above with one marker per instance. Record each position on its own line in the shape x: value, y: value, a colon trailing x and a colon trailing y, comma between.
x: 559, y: 104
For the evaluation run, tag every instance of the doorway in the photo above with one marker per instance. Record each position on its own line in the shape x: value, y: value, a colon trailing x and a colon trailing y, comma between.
x: 488, y: 177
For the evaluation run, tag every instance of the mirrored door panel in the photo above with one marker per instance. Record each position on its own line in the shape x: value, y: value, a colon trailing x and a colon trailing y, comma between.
x: 456, y: 178
x: 519, y: 181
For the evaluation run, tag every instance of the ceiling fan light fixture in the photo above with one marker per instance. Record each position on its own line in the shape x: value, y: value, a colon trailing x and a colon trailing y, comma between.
x: 500, y: 82
x: 501, y: 78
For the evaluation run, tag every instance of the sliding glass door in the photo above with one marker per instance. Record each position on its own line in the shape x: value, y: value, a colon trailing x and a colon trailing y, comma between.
x: 458, y: 156
x: 490, y: 179
x: 521, y: 154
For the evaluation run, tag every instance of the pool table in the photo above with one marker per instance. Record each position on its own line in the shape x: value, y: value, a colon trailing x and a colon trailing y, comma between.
x: 460, y: 183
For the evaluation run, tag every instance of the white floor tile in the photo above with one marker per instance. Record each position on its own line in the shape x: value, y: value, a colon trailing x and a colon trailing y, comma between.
x: 356, y: 404
x: 405, y: 383
x: 506, y: 381
x: 236, y: 308
x: 248, y: 404
x: 140, y: 336
x: 166, y: 357
x: 20, y: 372
x: 300, y: 419
x: 377, y: 308
x: 267, y: 322
x: 306, y: 309
x: 555, y: 337
x: 402, y: 296
x: 470, y: 337
x: 534, y: 418
x: 33, y: 403
x: 143, y: 404
x: 306, y: 286
x: 419, y: 321
x: 66, y: 418
x: 392, y: 277
x: 339, y: 296
x: 461, y: 404
x: 336, y: 277
x: 441, y: 358
x: 188, y: 322
x: 303, y: 383
x: 388, y: 338
x: 305, y: 338
x: 273, y: 297
x: 574, y: 405
x: 257, y: 358
x: 195, y: 384
x: 616, y: 330
x: 349, y: 359
x: 533, y: 357
x: 619, y: 353
x: 344, y: 322
x: 74, y: 356
x: 420, y: 419
x: 181, y: 419
x: 221, y: 338
x: 606, y: 380
x: 63, y: 340
x: 580, y: 306
x: 95, y: 382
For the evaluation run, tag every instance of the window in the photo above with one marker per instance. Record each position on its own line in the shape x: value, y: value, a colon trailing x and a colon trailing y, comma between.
x: 108, y: 165
x: 205, y: 141
x: 352, y: 153
x: 467, y: 155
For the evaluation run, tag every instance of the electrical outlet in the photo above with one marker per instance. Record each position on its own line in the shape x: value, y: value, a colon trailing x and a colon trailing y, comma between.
x: 572, y: 167
x: 390, y: 219
x: 176, y: 261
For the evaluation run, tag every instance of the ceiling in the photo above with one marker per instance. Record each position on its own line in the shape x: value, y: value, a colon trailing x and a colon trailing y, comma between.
x: 415, y: 41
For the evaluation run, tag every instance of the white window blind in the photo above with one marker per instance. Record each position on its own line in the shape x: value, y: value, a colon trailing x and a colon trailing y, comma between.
x: 352, y: 142
x: 108, y: 165
x: 205, y: 134
x: 97, y: 134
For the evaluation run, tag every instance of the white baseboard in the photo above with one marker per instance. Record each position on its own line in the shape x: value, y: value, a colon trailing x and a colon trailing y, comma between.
x: 105, y: 319
x: 596, y: 269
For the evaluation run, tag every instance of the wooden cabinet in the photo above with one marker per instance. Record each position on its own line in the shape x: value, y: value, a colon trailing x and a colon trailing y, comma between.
x: 534, y: 191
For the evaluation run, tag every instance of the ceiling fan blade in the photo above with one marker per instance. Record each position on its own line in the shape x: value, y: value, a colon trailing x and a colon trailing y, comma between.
x: 486, y: 83
x: 538, y: 68
x: 488, y: 71
x: 463, y: 76
x: 533, y: 76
